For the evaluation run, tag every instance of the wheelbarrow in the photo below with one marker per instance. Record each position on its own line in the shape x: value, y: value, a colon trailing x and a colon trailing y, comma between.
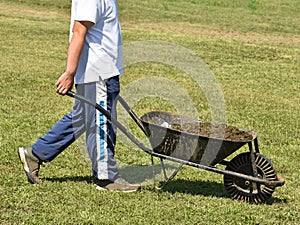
x: 249, y: 176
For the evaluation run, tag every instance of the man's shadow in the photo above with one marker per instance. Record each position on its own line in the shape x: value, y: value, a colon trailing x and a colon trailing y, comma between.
x: 87, y: 179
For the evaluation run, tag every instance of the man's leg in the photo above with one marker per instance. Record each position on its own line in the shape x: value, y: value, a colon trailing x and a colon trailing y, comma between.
x: 101, y: 140
x: 101, y: 134
x: 62, y: 134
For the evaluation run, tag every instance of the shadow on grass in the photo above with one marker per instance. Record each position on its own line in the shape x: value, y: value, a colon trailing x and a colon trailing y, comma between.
x: 87, y: 179
x: 133, y: 174
x: 204, y: 188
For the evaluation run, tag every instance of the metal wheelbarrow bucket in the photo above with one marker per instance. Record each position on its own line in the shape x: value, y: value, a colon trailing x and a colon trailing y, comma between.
x: 193, y: 140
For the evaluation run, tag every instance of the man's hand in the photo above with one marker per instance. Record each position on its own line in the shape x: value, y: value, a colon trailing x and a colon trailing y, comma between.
x: 64, y: 83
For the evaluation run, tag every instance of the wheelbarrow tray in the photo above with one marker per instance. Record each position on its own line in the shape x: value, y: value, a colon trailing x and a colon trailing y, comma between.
x: 193, y: 140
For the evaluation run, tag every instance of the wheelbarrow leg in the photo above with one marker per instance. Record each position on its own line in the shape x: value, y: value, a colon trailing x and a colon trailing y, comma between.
x: 164, y: 168
x: 153, y: 170
x: 172, y: 175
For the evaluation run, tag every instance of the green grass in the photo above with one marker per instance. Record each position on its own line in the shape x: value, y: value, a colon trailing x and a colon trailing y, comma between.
x: 252, y: 48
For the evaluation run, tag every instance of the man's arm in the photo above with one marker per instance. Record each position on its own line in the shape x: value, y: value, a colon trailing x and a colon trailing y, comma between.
x: 66, y: 80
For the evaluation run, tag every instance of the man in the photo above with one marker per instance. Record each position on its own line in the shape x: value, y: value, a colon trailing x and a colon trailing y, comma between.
x: 94, y: 61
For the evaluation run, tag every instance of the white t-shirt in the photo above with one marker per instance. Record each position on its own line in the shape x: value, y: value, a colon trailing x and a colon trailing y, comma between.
x: 102, y: 52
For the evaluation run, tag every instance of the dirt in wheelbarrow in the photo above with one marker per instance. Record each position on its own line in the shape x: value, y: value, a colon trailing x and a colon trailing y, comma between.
x: 198, y: 127
x: 208, y: 129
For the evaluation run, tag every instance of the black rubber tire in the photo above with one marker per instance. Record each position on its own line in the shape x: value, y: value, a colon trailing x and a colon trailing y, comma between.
x: 248, y: 191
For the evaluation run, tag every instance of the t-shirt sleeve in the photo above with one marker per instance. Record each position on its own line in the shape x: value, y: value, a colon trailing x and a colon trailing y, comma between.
x: 87, y: 10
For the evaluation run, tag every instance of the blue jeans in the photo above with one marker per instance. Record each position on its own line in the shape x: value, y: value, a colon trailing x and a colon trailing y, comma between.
x: 100, y: 132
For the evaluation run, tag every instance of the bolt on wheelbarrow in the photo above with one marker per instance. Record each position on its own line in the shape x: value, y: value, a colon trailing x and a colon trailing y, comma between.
x: 249, y: 176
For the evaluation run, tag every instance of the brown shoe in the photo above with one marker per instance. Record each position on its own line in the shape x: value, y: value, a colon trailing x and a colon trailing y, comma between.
x: 118, y: 185
x: 31, y: 164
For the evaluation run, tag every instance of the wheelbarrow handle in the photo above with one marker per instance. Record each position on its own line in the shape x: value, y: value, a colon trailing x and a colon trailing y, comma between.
x: 132, y: 114
x: 83, y: 99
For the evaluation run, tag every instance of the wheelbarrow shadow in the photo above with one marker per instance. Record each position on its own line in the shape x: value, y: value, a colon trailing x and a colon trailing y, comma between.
x: 144, y: 176
x: 208, y: 189
x: 204, y: 188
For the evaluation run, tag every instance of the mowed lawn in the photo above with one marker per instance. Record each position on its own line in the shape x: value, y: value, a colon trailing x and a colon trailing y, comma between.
x: 252, y: 48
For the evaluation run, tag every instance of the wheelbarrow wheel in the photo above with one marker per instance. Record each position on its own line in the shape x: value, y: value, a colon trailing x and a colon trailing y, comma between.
x: 246, y: 190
